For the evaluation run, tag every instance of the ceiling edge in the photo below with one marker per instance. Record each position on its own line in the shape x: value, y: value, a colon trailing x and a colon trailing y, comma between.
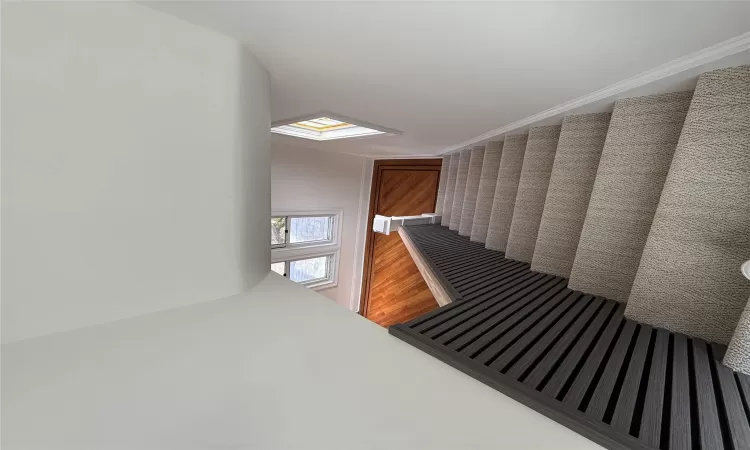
x: 723, y: 49
x: 418, y: 156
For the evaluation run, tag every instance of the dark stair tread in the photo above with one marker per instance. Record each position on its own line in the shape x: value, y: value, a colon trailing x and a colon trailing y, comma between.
x: 574, y: 357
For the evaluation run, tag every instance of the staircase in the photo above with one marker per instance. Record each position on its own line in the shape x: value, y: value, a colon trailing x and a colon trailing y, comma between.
x: 595, y: 267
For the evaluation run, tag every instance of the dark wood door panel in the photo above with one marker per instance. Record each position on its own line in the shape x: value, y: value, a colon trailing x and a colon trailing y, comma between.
x: 393, y: 289
x: 407, y: 192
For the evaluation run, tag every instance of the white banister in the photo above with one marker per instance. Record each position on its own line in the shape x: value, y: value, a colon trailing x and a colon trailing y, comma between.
x: 386, y: 224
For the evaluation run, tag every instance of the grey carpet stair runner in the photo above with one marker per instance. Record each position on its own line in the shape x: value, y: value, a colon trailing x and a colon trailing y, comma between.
x: 532, y: 192
x: 689, y: 279
x: 458, y: 196
x: 506, y: 189
x: 737, y: 356
x: 472, y: 189
x: 493, y: 151
x: 640, y: 142
x: 444, y: 168
x: 450, y: 190
x: 573, y: 173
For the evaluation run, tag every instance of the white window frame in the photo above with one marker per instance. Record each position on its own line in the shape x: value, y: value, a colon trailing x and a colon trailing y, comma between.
x: 320, y: 283
x: 289, y: 252
x: 292, y: 245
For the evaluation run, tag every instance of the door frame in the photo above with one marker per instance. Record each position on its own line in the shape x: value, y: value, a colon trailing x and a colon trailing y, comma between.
x: 380, y: 165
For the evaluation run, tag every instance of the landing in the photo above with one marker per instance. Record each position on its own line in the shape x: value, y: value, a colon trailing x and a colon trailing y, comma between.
x: 280, y: 367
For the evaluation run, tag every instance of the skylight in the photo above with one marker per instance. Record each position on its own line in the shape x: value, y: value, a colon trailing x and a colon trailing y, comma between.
x: 323, y: 127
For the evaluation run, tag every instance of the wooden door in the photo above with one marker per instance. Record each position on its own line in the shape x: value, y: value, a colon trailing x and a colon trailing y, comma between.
x: 393, y: 289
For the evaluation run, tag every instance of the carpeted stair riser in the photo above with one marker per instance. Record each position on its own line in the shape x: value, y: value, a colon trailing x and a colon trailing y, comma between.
x: 689, y: 279
x: 573, y: 173
x: 487, y: 181
x: 472, y: 189
x: 640, y: 142
x: 458, y: 196
x: 532, y: 192
x: 505, y: 191
x: 450, y: 190
x: 737, y: 356
x: 444, y: 168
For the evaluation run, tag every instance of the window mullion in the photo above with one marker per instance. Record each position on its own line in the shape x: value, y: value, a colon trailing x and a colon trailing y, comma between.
x: 286, y: 230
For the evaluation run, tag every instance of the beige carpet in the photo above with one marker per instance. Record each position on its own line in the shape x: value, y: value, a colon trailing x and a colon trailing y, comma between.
x: 506, y: 188
x: 689, y: 279
x: 444, y: 167
x: 472, y: 190
x: 573, y: 173
x: 487, y: 181
x: 737, y: 356
x: 458, y: 196
x: 450, y: 189
x: 532, y: 192
x: 641, y: 140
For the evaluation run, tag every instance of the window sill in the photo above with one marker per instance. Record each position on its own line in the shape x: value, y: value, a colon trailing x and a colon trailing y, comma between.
x: 322, y: 285
x: 280, y: 254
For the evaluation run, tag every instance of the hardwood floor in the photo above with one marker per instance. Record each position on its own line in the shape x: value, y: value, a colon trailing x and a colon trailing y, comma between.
x: 397, y: 293
x: 394, y: 290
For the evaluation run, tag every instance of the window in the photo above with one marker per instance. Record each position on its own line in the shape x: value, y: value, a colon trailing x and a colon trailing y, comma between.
x: 310, y: 270
x: 305, y: 247
x: 314, y: 270
x: 310, y: 229
x: 326, y: 127
x: 299, y: 230
x: 279, y: 267
x: 278, y: 231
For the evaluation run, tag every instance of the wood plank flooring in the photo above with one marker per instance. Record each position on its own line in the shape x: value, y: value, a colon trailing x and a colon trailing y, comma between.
x: 396, y: 299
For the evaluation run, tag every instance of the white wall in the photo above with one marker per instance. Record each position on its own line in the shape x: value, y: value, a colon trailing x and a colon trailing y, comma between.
x: 135, y: 155
x: 279, y: 367
x: 305, y: 179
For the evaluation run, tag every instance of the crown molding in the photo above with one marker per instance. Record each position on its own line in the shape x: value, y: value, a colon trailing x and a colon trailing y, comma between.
x: 723, y: 49
x: 401, y: 156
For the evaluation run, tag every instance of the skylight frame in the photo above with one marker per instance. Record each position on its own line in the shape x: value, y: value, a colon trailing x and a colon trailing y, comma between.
x: 357, y: 130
